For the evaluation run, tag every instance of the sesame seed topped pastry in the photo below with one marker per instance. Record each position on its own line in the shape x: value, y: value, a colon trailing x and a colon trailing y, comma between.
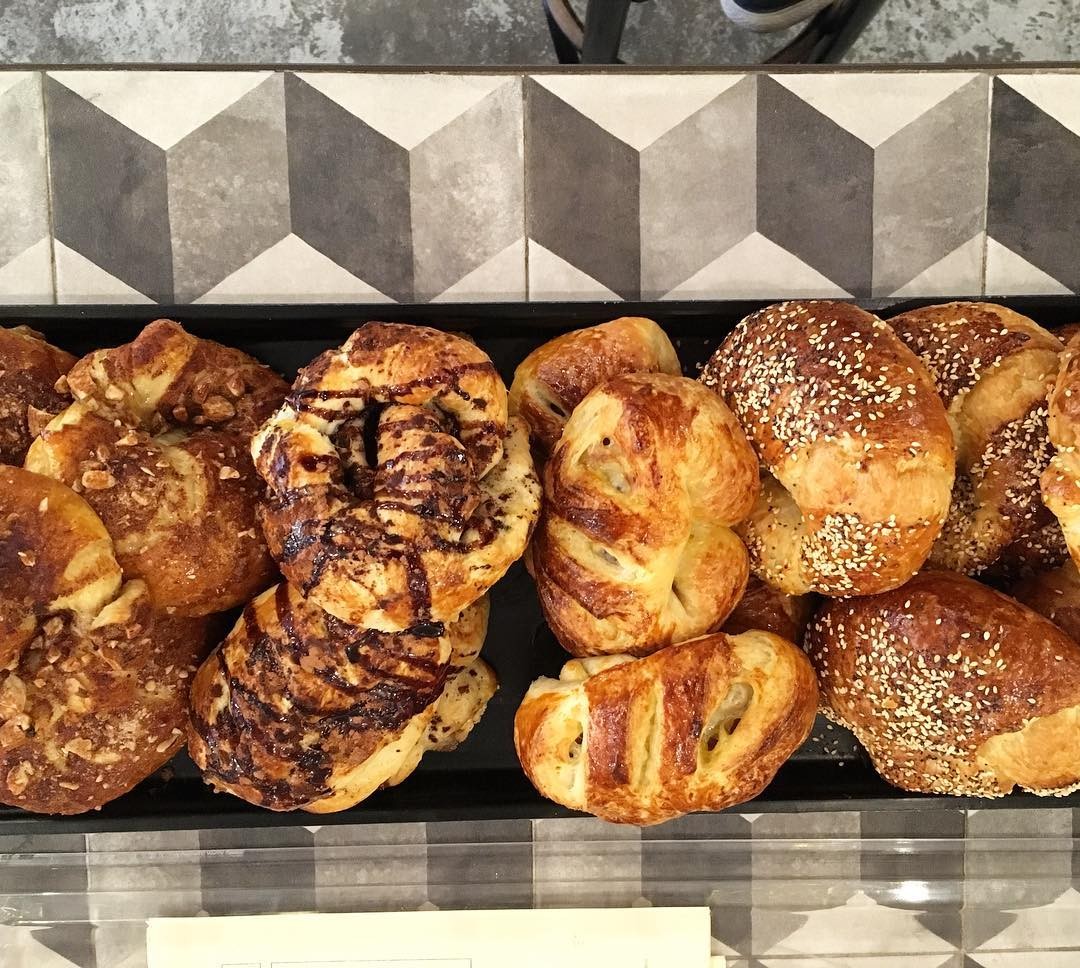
x: 701, y: 725
x: 157, y: 443
x: 554, y: 378
x: 855, y: 448
x: 635, y: 548
x: 1054, y: 594
x: 418, y: 526
x: 952, y: 687
x: 29, y: 372
x: 993, y: 369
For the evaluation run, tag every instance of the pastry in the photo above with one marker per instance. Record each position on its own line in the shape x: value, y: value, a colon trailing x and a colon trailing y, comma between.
x: 993, y: 368
x: 952, y: 687
x: 634, y: 550
x: 29, y: 372
x: 157, y: 443
x: 855, y: 448
x: 94, y: 680
x: 420, y: 527
x: 764, y: 607
x: 1054, y: 594
x: 554, y: 378
x: 698, y: 726
x: 297, y: 710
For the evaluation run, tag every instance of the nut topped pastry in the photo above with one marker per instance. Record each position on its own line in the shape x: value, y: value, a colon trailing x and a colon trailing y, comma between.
x: 93, y: 689
x: 157, y: 443
x: 635, y: 548
x: 554, y: 378
x: 993, y: 368
x: 855, y: 449
x: 29, y: 372
x: 415, y: 525
x: 952, y: 687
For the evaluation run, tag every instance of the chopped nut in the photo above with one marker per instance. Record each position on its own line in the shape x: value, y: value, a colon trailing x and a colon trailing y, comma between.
x: 18, y: 778
x: 80, y: 747
x: 12, y: 697
x: 228, y: 473
x: 218, y: 409
x: 61, y: 386
x: 180, y: 413
x: 44, y: 505
x: 37, y: 420
x: 141, y: 499
x: 164, y: 745
x: 234, y: 385
x: 13, y: 732
x: 151, y: 686
x: 63, y: 784
x: 28, y: 558
x: 53, y: 627
x: 130, y: 439
x: 98, y: 480
x: 113, y: 392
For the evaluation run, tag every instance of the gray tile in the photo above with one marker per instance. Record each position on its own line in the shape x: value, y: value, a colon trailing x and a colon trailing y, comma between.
x: 467, y: 197
x: 349, y: 190
x: 246, y: 878
x: 929, y: 202
x: 44, y: 879
x: 698, y: 190
x: 109, y: 194
x: 371, y: 867
x: 1034, y: 194
x: 582, y: 862
x: 477, y: 865
x: 582, y: 192
x: 229, y: 190
x: 825, y: 184
x: 25, y: 257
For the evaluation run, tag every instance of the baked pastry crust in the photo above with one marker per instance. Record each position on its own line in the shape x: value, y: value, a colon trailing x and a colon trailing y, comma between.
x: 93, y: 690
x: 1055, y: 595
x: 635, y: 548
x: 771, y: 610
x: 699, y: 726
x: 855, y: 449
x: 157, y: 443
x: 554, y: 378
x: 297, y: 710
x: 993, y: 369
x: 29, y: 372
x: 952, y: 687
x: 421, y: 528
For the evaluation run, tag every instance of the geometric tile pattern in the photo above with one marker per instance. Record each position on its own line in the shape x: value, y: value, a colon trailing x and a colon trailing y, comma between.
x: 757, y: 186
x: 1034, y: 197
x: 25, y: 260
x: 258, y: 186
x: 263, y: 186
x: 924, y: 888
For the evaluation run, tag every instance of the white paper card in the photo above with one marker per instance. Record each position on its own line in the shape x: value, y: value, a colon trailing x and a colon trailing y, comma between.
x: 614, y: 938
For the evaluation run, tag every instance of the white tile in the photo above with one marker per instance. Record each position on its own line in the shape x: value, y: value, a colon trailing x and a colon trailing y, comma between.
x: 78, y: 280
x: 957, y: 274
x: 552, y: 278
x: 501, y: 278
x: 1008, y: 274
x: 1053, y: 925
x: 28, y: 277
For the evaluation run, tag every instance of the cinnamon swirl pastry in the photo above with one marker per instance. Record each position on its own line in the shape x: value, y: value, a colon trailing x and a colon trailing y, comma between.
x: 30, y: 370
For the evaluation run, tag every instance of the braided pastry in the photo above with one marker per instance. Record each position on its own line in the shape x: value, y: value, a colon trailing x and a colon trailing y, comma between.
x: 296, y: 709
x: 29, y: 371
x: 156, y: 441
x: 635, y: 550
x: 554, y: 378
x: 93, y: 691
x: 855, y: 448
x: 993, y: 369
x: 424, y: 526
x: 698, y: 726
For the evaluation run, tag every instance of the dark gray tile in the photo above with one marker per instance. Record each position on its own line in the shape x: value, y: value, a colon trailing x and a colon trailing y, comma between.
x: 478, y: 865
x: 349, y: 190
x: 229, y: 190
x: 582, y: 192
x: 1034, y: 193
x: 814, y: 177
x: 244, y: 877
x: 109, y: 193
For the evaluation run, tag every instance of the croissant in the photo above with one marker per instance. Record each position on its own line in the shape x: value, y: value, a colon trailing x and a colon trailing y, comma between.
x: 29, y: 372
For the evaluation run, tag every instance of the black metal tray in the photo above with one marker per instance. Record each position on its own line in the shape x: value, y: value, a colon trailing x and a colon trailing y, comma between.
x: 481, y: 780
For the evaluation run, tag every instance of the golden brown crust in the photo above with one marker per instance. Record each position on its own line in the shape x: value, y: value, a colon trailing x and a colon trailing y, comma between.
x: 421, y: 528
x: 1055, y: 595
x: 992, y: 368
x: 554, y: 378
x: 297, y: 710
x: 855, y: 447
x: 157, y: 443
x: 770, y: 610
x: 1061, y: 479
x: 93, y: 687
x: 29, y: 371
x: 952, y: 687
x: 698, y: 726
x: 634, y: 549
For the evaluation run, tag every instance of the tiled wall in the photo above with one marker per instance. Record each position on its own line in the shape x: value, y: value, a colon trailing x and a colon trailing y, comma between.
x: 261, y: 186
